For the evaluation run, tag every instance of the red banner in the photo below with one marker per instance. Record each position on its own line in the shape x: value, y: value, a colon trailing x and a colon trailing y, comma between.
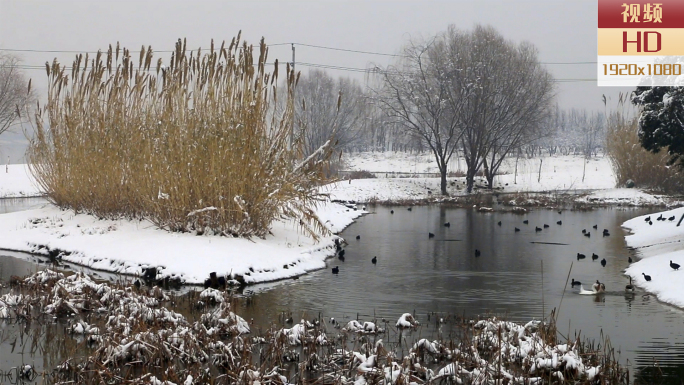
x: 641, y: 14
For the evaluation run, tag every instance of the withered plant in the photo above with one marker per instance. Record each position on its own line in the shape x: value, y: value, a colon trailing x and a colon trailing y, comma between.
x: 193, y: 146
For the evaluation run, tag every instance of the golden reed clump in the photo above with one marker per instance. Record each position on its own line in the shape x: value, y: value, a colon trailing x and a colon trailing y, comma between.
x: 631, y: 161
x: 198, y: 145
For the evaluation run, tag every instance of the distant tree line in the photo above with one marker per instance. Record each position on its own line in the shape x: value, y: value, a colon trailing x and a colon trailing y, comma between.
x: 449, y: 96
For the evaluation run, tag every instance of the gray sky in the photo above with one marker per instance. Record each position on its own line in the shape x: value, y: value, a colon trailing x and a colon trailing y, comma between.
x: 563, y: 31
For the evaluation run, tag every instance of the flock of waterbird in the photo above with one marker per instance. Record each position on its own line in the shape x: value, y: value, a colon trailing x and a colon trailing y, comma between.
x: 597, y: 287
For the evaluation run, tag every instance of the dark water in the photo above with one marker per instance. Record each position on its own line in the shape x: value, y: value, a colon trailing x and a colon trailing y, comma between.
x: 415, y: 273
x: 421, y: 275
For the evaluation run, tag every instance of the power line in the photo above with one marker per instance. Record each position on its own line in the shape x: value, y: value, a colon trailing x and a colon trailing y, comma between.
x: 280, y: 44
x: 313, y: 65
x: 104, y: 51
x: 349, y: 50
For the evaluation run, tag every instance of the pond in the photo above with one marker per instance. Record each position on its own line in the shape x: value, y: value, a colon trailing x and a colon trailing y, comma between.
x: 416, y: 273
x: 442, y: 274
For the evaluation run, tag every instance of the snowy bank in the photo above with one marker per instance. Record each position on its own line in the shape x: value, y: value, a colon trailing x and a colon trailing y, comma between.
x: 657, y: 244
x: 131, y: 246
x: 551, y: 175
x: 16, y: 182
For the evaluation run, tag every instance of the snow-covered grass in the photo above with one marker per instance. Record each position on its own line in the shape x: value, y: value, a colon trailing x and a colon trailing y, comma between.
x: 657, y: 245
x: 16, y: 182
x: 123, y: 326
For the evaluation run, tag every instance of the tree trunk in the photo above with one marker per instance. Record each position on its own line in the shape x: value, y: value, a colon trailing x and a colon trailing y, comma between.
x: 443, y: 182
x: 489, y: 174
x: 470, y: 178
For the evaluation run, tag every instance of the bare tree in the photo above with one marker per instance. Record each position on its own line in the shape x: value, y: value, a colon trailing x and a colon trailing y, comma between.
x: 415, y: 94
x: 15, y: 91
x: 500, y: 93
x: 323, y: 117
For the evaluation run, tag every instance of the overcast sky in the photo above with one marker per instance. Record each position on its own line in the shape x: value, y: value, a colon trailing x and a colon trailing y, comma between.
x: 563, y: 31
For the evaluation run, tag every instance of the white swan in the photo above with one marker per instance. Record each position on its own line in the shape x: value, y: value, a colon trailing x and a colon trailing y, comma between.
x: 587, y: 292
x: 597, y: 288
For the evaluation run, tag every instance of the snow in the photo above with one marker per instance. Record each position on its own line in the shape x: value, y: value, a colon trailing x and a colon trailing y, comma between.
x: 130, y: 246
x: 123, y: 246
x: 559, y: 174
x: 657, y: 245
x: 16, y: 181
x: 624, y: 196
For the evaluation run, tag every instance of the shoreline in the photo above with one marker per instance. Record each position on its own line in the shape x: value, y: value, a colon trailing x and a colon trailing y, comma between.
x: 323, y: 251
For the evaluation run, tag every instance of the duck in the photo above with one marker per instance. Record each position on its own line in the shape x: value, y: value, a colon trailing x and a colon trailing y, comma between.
x: 336, y: 270
x: 431, y: 235
x: 391, y: 211
x: 546, y: 226
x: 526, y: 221
x: 587, y: 234
x: 580, y: 256
x: 646, y: 277
x: 559, y: 223
x: 477, y: 252
x: 594, y: 256
x: 595, y: 227
x: 341, y: 253
x: 537, y: 228
x: 584, y: 231
x: 448, y: 224
x: 575, y: 283
x: 674, y: 266
x: 629, y: 288
x: 410, y: 208
x: 499, y: 223
x: 660, y: 218
x: 650, y: 223
x: 358, y: 237
x: 517, y: 229
x: 647, y: 219
x: 340, y: 257
x: 596, y: 286
x: 672, y: 218
x: 603, y: 262
x: 374, y: 260
x: 629, y: 259
x: 606, y: 233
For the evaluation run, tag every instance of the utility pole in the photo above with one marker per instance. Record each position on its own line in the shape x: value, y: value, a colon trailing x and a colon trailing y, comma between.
x: 293, y: 58
x: 294, y: 100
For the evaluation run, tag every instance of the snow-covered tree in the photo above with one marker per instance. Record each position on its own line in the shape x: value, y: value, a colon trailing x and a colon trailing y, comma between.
x: 415, y: 94
x: 661, y: 124
x: 499, y: 107
x: 15, y: 92
x: 318, y: 115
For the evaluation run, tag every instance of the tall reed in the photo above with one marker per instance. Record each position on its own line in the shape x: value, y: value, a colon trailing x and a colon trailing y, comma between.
x: 193, y: 146
x: 631, y: 161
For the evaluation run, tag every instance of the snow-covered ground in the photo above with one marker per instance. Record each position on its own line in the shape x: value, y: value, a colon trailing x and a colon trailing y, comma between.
x: 557, y: 174
x: 658, y: 244
x: 16, y: 181
x: 130, y: 246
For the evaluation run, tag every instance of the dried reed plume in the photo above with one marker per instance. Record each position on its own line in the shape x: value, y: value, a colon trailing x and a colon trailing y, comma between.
x: 631, y: 161
x: 194, y: 146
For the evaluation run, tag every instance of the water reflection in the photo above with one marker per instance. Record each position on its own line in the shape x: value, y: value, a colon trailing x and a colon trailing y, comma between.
x: 8, y: 205
x: 443, y: 277
x: 442, y: 274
